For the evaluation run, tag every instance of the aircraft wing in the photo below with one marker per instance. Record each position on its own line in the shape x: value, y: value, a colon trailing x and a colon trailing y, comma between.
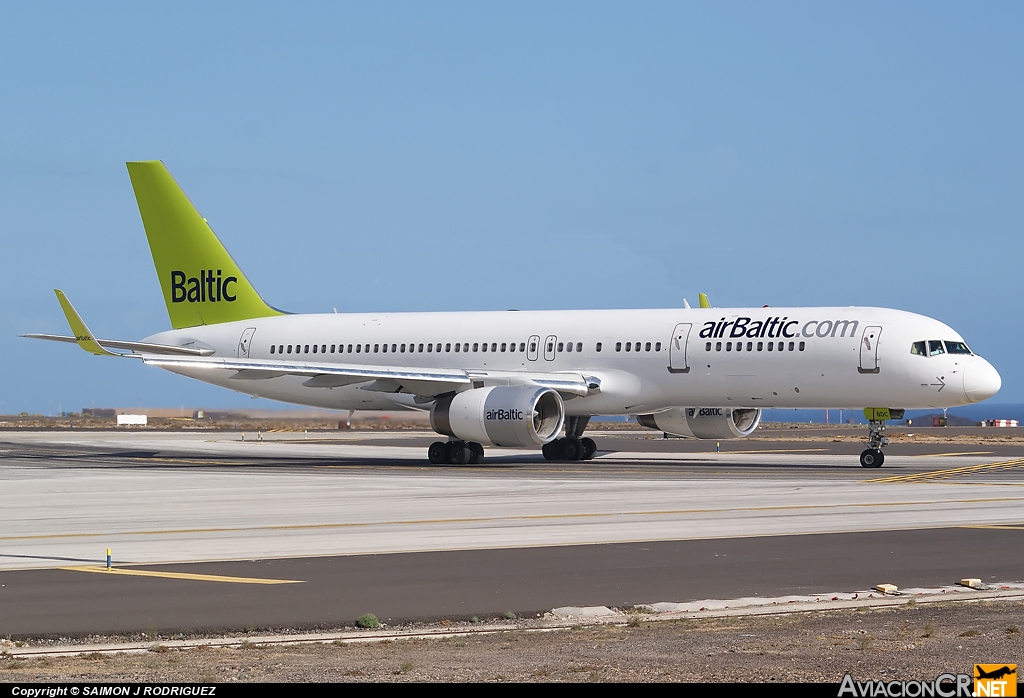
x: 422, y: 382
x: 87, y: 340
x: 136, y: 347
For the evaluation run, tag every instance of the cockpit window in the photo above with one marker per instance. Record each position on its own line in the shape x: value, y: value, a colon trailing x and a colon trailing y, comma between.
x: 919, y: 349
x: 935, y: 348
x: 957, y: 348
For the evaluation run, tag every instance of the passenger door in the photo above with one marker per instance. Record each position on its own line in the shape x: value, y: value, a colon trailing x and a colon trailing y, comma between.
x: 549, y: 347
x: 533, y: 347
x: 245, y: 342
x: 677, y: 349
x: 869, y: 349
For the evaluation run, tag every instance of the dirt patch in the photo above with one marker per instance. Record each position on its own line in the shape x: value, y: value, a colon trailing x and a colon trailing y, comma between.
x: 904, y: 642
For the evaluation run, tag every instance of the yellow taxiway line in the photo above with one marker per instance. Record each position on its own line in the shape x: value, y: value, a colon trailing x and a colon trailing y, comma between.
x: 182, y: 575
x: 953, y: 472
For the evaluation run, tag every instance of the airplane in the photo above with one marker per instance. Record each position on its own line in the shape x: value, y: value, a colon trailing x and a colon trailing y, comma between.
x: 531, y: 379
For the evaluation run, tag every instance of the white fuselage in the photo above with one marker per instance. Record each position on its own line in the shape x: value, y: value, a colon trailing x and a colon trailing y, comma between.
x: 848, y: 357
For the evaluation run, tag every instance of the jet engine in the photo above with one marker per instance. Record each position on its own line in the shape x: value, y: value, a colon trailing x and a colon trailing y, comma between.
x: 500, y: 416
x: 704, y: 422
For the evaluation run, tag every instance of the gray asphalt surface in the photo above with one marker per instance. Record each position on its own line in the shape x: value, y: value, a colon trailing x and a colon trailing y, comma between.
x: 486, y: 583
x: 488, y: 539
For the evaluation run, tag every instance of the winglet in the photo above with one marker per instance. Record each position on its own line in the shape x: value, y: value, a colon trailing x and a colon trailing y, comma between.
x: 704, y: 302
x: 85, y: 338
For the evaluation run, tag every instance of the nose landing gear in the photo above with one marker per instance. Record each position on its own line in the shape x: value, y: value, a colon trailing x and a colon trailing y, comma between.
x: 872, y: 457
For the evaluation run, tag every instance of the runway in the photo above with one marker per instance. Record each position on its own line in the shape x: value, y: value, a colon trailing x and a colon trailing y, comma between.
x: 363, y: 524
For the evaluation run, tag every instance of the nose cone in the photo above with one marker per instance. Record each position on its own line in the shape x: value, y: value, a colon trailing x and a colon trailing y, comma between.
x: 981, y: 380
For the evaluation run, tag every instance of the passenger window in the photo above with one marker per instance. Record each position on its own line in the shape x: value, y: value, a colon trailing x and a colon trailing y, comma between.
x: 791, y: 346
x: 503, y: 346
x: 647, y: 347
x: 618, y: 346
x: 483, y: 347
x: 430, y: 348
x: 657, y: 347
x: 533, y: 346
x: 402, y: 349
x: 359, y: 348
x: 394, y: 348
x: 629, y: 345
x: 728, y: 346
x: 314, y: 348
x: 289, y: 348
x: 568, y: 347
x: 494, y: 346
x: 750, y: 346
x: 597, y: 347
x: 771, y: 346
x: 420, y: 350
x: 801, y: 346
x: 522, y: 347
x: 332, y: 348
x: 918, y: 349
x: 707, y: 347
x: 323, y: 348
x: 935, y: 348
x: 560, y: 346
x: 280, y: 348
x: 739, y: 346
x: 376, y: 348
x: 718, y: 346
x: 476, y: 346
x: 350, y: 348
x: 272, y: 348
x: 447, y: 347
x: 385, y: 348
x: 458, y: 347
x: 760, y: 346
x: 957, y: 348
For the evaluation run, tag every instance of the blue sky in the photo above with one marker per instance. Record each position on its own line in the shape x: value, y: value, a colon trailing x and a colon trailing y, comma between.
x: 444, y: 156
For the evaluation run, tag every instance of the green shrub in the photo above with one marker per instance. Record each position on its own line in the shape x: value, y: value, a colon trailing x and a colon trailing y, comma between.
x: 367, y: 620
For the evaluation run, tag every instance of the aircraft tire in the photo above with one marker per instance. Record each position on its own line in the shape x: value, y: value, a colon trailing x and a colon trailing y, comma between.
x: 872, y: 458
x: 437, y: 453
x: 550, y: 450
x: 572, y: 449
x: 589, y: 448
x: 477, y: 452
x: 459, y: 453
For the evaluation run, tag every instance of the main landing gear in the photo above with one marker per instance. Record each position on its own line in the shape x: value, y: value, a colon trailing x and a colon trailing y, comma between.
x: 873, y: 457
x: 573, y: 446
x: 455, y: 453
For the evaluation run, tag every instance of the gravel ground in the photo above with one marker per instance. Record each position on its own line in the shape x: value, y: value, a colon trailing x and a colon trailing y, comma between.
x: 904, y: 642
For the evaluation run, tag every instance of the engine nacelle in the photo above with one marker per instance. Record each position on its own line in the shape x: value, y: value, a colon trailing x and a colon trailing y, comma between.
x: 704, y: 422
x: 501, y: 415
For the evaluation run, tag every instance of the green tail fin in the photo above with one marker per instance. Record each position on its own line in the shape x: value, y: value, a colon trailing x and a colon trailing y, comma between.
x: 202, y: 285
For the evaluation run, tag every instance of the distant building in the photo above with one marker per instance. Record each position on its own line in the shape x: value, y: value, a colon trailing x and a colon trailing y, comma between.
x: 99, y: 412
x: 1000, y: 422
